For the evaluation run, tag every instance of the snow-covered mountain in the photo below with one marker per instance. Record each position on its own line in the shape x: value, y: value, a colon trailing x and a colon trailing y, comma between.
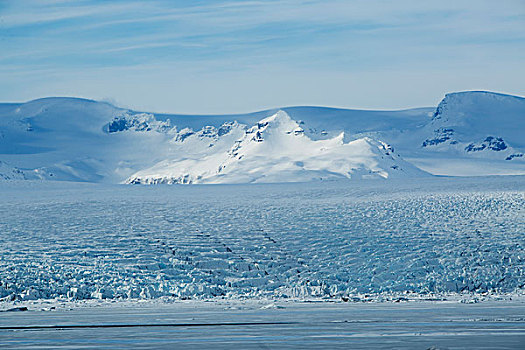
x: 69, y: 139
x: 276, y: 149
x: 470, y: 133
x: 480, y: 124
x: 475, y: 132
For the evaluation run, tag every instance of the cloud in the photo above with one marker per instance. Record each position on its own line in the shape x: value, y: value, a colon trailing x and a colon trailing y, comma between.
x: 27, y: 13
x: 275, y: 40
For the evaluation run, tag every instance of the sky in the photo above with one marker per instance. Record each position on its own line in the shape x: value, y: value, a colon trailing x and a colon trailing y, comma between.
x: 240, y: 56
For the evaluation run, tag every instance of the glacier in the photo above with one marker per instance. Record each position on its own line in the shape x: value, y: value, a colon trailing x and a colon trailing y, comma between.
x: 426, y: 237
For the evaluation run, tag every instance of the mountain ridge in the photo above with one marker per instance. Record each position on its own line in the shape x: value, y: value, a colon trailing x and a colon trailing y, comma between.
x: 76, y: 139
x: 276, y: 149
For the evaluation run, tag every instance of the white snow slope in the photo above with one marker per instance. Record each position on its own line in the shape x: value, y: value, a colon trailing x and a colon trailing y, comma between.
x: 276, y: 149
x: 470, y: 133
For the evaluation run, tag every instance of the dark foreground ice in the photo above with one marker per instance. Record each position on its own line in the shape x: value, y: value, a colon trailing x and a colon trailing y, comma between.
x: 268, y: 325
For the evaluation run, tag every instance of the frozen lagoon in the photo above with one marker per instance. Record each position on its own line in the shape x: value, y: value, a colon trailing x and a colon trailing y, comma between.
x: 267, y: 325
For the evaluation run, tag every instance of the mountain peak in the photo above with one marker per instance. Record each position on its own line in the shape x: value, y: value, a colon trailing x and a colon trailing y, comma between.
x: 276, y: 149
x: 478, y: 124
x: 280, y: 119
x: 480, y: 94
x: 459, y: 102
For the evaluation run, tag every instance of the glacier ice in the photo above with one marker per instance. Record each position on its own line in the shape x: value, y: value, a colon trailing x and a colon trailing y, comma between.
x: 329, y: 240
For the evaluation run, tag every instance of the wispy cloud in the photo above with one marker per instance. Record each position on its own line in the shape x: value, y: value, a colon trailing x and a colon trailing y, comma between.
x: 261, y: 39
x: 27, y: 13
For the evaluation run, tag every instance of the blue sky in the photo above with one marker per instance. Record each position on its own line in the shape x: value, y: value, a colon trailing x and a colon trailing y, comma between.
x: 239, y: 56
